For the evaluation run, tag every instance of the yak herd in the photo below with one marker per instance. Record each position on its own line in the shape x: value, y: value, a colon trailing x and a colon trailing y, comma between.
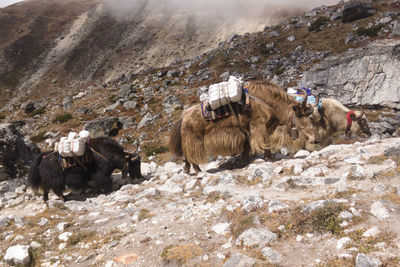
x: 275, y: 120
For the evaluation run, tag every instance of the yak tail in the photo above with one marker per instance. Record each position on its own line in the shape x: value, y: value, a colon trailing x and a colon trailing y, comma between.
x: 175, y: 140
x: 34, y: 179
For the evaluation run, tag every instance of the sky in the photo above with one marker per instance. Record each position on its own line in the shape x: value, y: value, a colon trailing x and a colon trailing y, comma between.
x: 4, y: 3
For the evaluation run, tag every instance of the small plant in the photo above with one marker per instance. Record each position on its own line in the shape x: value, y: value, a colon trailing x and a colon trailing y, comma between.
x: 39, y: 137
x: 370, y: 32
x: 78, y: 237
x: 181, y: 253
x: 38, y: 111
x: 316, y: 25
x: 62, y: 118
x: 153, y: 150
x: 241, y: 222
x: 2, y: 116
x: 144, y: 214
x: 377, y: 159
x: 325, y: 219
x: 280, y: 71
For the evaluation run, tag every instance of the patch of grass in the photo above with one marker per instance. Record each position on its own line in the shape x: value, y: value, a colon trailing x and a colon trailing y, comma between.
x: 241, y: 222
x: 337, y: 263
x: 79, y: 237
x: 153, y: 150
x: 41, y: 136
x: 63, y: 118
x: 2, y: 116
x: 316, y: 25
x: 112, y: 99
x: 280, y: 71
x: 321, y: 220
x: 377, y: 159
x: 38, y: 111
x: 144, y: 214
x: 370, y: 32
x: 345, y: 194
x: 181, y: 253
x: 214, y: 197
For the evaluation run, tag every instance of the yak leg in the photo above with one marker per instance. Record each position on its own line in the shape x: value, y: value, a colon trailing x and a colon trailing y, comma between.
x: 186, y: 168
x: 245, y: 157
x: 45, y: 195
x: 196, y: 168
x: 103, y: 182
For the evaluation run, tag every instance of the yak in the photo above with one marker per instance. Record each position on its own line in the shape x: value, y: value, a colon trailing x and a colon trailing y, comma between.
x: 335, y: 117
x: 46, y: 172
x: 267, y: 125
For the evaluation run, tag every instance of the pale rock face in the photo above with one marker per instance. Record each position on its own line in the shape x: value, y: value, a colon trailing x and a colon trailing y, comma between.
x: 368, y: 75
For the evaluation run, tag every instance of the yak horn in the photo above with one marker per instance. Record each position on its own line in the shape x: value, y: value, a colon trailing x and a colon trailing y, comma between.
x: 136, y: 157
x: 304, y: 103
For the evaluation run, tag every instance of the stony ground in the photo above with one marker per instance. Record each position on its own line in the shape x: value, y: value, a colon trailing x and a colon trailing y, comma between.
x: 336, y: 207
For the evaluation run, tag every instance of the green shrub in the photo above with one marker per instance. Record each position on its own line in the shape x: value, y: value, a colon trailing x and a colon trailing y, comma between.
x: 38, y: 111
x: 152, y: 150
x: 316, y: 25
x: 280, y: 71
x: 39, y: 137
x: 62, y: 118
x: 2, y: 117
x: 370, y: 32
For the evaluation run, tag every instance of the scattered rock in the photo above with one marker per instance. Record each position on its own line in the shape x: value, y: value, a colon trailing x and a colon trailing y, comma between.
x: 272, y: 256
x: 363, y: 260
x: 239, y: 260
x: 17, y: 255
x: 255, y: 237
x: 379, y: 210
x: 372, y: 232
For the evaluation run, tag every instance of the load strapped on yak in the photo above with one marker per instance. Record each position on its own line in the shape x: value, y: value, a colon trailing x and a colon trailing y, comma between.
x: 72, y: 149
x: 225, y: 98
x: 298, y: 94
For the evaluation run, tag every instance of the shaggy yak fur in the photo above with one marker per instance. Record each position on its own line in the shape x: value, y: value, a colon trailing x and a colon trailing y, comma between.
x: 266, y: 126
x: 46, y: 172
x: 334, y: 119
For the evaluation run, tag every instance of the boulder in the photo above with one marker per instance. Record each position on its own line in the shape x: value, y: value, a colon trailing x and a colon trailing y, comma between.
x: 15, y: 153
x: 17, y: 255
x: 103, y: 126
x: 356, y: 10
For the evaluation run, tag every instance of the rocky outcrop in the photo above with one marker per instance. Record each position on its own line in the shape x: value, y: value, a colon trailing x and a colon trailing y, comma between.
x: 367, y: 76
x: 357, y: 10
x: 15, y: 153
x: 103, y: 126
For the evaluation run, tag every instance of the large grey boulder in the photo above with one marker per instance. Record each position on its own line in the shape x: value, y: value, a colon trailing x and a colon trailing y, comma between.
x: 16, y: 154
x: 356, y: 10
x: 367, y: 76
x: 103, y: 126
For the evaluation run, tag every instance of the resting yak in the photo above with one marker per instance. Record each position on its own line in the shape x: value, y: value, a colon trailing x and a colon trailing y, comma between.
x: 267, y: 125
x: 106, y: 155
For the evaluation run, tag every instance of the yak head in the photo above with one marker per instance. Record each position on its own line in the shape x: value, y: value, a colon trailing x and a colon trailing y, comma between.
x: 132, y: 165
x: 360, y: 125
x: 306, y: 121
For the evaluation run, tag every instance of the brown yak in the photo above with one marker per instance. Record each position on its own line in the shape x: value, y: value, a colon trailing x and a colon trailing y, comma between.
x: 335, y: 117
x: 266, y: 126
